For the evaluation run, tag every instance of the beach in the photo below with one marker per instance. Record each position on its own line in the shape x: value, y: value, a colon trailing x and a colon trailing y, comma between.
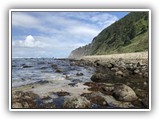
x: 91, y: 82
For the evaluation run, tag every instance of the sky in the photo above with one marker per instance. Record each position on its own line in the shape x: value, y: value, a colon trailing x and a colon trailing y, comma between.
x: 56, y: 34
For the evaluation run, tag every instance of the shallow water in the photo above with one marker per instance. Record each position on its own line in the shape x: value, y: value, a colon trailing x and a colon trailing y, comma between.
x: 31, y: 70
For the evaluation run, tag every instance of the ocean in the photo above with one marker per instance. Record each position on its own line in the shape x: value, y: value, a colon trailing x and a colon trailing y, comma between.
x: 27, y: 71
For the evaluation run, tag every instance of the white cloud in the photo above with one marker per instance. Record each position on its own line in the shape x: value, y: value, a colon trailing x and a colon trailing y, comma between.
x: 56, y: 33
x: 28, y: 42
x: 24, y: 20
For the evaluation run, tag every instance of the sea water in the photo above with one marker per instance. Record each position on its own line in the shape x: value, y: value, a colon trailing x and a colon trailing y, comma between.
x: 27, y: 71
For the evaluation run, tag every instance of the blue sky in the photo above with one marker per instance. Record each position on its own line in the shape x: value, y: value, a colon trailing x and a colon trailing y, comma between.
x: 56, y: 34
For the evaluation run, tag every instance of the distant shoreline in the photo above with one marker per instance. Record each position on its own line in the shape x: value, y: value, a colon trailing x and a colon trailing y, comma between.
x: 130, y: 57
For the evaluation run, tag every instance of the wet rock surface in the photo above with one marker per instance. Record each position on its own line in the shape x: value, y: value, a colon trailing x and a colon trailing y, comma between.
x: 129, y: 83
x: 113, y: 85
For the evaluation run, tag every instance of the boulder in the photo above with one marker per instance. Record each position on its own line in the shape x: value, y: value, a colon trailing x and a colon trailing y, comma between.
x: 76, y: 102
x: 98, y: 77
x: 124, y: 93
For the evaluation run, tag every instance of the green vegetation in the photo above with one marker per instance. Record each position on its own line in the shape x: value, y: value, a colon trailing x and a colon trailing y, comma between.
x: 129, y: 34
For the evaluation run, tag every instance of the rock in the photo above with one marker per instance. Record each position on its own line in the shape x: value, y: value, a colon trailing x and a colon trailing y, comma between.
x: 62, y: 93
x: 96, y: 61
x: 99, y: 100
x: 140, y: 74
x: 138, y: 104
x: 50, y: 105
x: 76, y: 81
x: 98, y: 77
x: 26, y: 66
x: 145, y: 83
x: 72, y: 84
x: 25, y: 105
x: 76, y: 102
x: 59, y: 70
x: 115, y: 69
x: 138, y: 64
x: 16, y: 105
x: 137, y: 71
x: 67, y: 76
x: 122, y: 64
x: 32, y: 95
x: 13, y: 65
x: 145, y: 102
x: 28, y: 97
x: 95, y: 98
x: 107, y: 90
x: 112, y: 102
x: 130, y: 66
x: 119, y: 73
x: 54, y: 66
x: 124, y: 93
x: 19, y: 93
x: 46, y: 97
x: 24, y: 99
x: 145, y: 74
x: 42, y: 82
x: 110, y: 65
x: 79, y: 74
x: 144, y: 69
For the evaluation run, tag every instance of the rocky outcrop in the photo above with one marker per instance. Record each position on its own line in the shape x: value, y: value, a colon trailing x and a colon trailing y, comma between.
x: 24, y: 99
x: 76, y: 102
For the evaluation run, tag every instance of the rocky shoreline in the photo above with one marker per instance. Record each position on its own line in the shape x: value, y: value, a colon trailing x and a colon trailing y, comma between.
x: 115, y: 84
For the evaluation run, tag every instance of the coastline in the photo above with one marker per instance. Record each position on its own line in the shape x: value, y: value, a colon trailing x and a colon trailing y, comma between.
x: 119, y: 81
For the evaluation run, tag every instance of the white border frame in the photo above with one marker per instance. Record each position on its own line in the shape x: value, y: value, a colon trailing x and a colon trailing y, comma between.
x: 76, y: 10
